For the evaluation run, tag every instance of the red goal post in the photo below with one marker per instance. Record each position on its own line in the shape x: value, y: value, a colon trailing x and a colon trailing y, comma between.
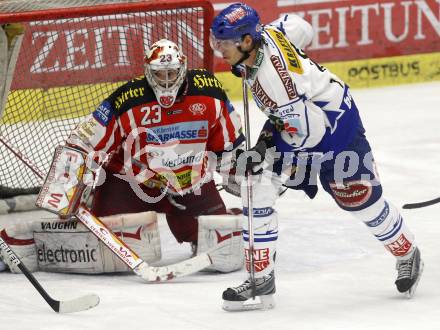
x: 72, y: 56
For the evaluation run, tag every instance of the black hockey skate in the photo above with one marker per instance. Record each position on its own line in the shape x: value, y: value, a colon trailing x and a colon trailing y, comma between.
x: 409, y: 273
x: 239, y: 298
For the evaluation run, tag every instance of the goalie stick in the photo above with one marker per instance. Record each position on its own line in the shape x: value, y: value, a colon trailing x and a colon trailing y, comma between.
x: 60, y: 306
x: 421, y: 204
x: 132, y: 260
x: 118, y: 247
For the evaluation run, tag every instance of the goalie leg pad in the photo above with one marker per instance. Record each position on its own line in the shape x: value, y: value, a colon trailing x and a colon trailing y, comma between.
x: 140, y: 232
x: 23, y: 245
x: 68, y: 246
x: 220, y: 236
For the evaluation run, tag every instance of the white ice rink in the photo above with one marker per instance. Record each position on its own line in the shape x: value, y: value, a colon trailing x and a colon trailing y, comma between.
x: 331, y: 272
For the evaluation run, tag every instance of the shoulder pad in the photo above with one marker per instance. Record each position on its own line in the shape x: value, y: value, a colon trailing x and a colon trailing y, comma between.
x: 203, y: 82
x: 130, y: 94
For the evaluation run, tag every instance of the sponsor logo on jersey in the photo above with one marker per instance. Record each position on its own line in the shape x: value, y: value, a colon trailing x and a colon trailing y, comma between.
x: 182, y: 160
x: 182, y: 131
x: 197, y: 108
x: 285, y: 77
x: 180, y: 180
x: 399, y: 247
x: 293, y: 127
x: 288, y: 51
x: 290, y: 129
x: 352, y: 193
x: 261, y: 259
x: 155, y: 153
x: 184, y: 178
x: 174, y: 112
x: 287, y: 112
x: 87, y: 129
x: 290, y: 121
x: 260, y: 94
x: 103, y: 114
x: 202, y: 133
x: 203, y: 81
x: 127, y: 95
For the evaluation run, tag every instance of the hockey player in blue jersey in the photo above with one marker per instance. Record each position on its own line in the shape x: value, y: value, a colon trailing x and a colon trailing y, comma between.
x: 313, y: 126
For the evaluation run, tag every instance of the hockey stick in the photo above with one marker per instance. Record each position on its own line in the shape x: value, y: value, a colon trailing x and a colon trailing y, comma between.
x: 421, y: 204
x: 132, y: 260
x: 10, y: 58
x: 118, y: 247
x: 60, y: 306
x: 249, y: 189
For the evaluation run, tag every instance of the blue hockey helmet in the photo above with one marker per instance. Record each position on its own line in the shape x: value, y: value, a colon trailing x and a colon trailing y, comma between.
x: 235, y: 21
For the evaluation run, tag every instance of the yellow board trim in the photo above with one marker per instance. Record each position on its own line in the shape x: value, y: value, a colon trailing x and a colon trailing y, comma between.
x: 33, y: 105
x: 63, y: 102
x: 387, y: 71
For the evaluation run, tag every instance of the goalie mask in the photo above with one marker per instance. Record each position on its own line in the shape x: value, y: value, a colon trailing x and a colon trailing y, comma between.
x: 165, y: 70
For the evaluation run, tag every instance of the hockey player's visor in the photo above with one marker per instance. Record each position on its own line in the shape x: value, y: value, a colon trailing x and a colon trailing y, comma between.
x: 219, y: 45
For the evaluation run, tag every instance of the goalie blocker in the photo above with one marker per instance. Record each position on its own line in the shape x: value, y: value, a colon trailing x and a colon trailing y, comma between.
x: 68, y: 183
x: 67, y: 246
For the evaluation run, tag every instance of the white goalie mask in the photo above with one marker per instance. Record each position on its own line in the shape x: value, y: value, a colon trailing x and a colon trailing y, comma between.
x: 165, y: 70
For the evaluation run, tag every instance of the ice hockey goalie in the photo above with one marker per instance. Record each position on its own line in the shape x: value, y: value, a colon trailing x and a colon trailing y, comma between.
x: 153, y: 144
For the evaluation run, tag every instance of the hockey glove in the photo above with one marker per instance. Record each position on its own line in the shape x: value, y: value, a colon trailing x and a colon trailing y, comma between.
x: 243, y: 163
x: 250, y: 161
x: 232, y: 183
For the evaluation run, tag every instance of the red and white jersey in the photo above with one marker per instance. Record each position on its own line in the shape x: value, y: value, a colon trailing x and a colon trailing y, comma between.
x: 163, y: 144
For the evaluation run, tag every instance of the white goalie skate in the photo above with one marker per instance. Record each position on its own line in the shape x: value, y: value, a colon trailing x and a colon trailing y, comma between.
x: 409, y: 273
x: 240, y: 298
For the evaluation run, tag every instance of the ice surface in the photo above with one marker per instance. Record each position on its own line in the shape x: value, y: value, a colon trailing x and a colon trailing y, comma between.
x: 331, y: 273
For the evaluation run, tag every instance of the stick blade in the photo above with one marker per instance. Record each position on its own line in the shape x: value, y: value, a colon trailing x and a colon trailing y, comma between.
x: 78, y: 304
x: 180, y: 269
x: 421, y: 204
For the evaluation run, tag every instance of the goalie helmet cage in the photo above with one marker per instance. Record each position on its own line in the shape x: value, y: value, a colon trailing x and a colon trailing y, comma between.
x: 73, y: 54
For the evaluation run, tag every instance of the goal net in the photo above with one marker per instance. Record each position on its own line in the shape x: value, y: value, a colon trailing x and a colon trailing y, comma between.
x: 60, y: 59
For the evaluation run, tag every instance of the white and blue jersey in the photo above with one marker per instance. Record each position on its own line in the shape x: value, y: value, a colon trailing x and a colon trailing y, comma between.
x: 309, y: 108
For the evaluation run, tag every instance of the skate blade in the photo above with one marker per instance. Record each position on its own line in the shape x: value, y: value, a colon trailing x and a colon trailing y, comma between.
x: 412, y: 291
x: 259, y: 303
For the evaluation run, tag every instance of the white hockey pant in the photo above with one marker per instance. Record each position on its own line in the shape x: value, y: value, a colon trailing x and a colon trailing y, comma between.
x: 385, y: 222
x: 265, y: 222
